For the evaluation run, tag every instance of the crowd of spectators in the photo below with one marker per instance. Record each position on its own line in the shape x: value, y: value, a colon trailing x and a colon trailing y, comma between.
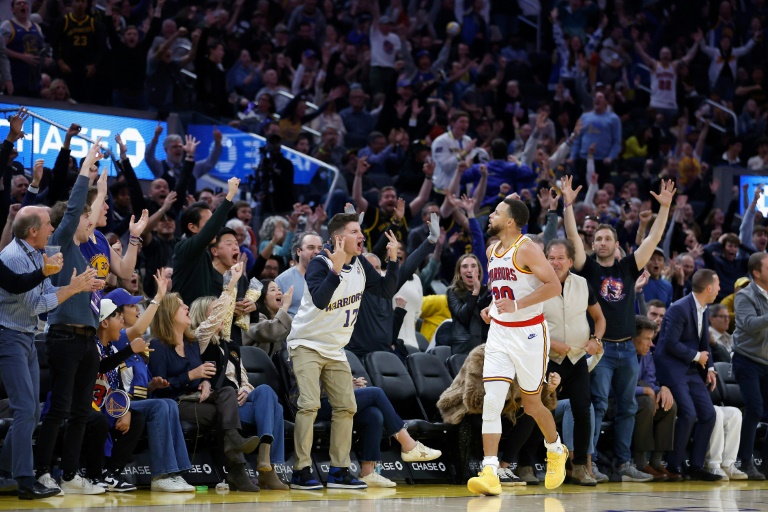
x: 433, y: 112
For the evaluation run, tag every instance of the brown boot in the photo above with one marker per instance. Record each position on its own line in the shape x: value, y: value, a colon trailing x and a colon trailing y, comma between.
x: 235, y: 443
x: 238, y: 479
x: 268, y: 479
x: 262, y: 459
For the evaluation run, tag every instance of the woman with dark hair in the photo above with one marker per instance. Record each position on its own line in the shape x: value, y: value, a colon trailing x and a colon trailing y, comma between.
x: 258, y: 407
x: 274, y: 324
x: 177, y: 359
x: 466, y: 298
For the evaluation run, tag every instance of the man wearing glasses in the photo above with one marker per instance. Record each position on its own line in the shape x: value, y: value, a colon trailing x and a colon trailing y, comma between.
x: 720, y: 340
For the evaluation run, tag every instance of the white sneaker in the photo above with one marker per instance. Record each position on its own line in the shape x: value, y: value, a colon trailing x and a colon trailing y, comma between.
x: 47, y: 480
x: 376, y: 480
x: 715, y: 470
x: 420, y: 453
x: 80, y: 485
x: 170, y: 484
x: 733, y: 473
x: 183, y: 483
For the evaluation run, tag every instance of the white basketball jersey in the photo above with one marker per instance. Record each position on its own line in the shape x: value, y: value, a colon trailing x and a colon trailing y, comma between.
x: 328, y: 330
x: 664, y: 87
x: 507, y: 280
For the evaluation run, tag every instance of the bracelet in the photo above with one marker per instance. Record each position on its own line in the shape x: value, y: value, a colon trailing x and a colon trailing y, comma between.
x: 428, y: 178
x: 153, y: 301
x: 566, y: 205
x: 136, y: 238
x: 515, y: 303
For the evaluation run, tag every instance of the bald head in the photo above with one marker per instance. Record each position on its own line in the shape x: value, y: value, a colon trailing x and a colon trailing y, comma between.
x: 33, y: 225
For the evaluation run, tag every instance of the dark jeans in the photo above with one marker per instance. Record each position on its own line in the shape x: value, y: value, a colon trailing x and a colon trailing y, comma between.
x: 74, y: 362
x: 375, y: 416
x: 97, y: 429
x: 575, y: 387
x: 20, y: 373
x: 753, y: 383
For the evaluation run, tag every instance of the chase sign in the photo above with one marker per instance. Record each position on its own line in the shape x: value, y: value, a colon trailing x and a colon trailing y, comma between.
x: 43, y: 140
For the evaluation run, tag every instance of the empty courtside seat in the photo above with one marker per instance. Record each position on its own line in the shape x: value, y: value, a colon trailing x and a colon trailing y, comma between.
x: 442, y: 352
x: 431, y: 378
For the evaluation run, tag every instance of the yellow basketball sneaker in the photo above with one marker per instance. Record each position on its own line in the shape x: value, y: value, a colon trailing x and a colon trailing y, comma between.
x: 487, y: 482
x: 555, y: 468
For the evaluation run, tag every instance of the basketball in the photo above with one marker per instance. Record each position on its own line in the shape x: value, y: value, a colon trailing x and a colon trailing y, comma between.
x: 453, y: 29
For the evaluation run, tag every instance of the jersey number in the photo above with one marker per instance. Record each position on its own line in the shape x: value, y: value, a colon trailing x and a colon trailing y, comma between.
x: 80, y: 41
x: 665, y: 85
x: 351, y: 317
x: 505, y: 292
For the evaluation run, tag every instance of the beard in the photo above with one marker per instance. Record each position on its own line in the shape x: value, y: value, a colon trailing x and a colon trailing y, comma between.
x: 493, y: 230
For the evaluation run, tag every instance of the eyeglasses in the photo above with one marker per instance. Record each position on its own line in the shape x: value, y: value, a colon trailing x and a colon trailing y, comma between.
x: 720, y: 316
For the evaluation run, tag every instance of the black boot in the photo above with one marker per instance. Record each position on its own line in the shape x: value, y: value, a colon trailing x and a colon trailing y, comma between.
x: 235, y: 443
x: 238, y: 479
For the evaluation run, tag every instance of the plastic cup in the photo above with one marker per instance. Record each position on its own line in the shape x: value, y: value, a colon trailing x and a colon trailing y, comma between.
x: 50, y: 251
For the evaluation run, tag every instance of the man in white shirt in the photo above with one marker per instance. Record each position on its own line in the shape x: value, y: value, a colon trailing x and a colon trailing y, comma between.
x: 385, y: 44
x: 449, y: 149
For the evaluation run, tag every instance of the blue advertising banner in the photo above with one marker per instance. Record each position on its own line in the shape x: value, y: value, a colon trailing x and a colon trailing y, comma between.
x: 753, y: 182
x: 43, y: 140
x: 241, y: 156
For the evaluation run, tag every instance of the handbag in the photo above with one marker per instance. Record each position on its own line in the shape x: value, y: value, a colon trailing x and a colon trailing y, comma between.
x: 190, y: 397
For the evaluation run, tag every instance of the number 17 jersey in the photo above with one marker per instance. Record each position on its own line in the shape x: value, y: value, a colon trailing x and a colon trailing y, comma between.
x: 507, y: 280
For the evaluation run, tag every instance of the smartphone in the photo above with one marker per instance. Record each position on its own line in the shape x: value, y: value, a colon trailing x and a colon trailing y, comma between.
x: 627, y: 207
x: 553, y: 192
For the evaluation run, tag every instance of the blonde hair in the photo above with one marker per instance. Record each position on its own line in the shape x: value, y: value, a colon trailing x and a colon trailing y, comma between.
x: 163, y: 324
x: 198, y: 312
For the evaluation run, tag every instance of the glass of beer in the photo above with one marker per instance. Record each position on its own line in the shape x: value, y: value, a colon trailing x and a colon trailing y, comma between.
x: 50, y: 252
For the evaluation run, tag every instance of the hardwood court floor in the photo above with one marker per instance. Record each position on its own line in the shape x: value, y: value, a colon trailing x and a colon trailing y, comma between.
x: 688, y: 496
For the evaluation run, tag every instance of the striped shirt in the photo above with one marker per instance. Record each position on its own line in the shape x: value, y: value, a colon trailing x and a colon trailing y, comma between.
x: 19, y: 312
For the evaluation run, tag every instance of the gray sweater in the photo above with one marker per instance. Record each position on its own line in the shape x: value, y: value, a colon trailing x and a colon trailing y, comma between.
x: 77, y: 310
x: 751, y: 335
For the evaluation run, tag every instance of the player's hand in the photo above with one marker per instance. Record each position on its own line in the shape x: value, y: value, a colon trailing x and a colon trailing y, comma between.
x: 703, y: 358
x: 485, y: 315
x: 505, y: 305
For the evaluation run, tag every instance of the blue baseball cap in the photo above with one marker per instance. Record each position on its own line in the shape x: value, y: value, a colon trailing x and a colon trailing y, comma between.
x: 122, y: 298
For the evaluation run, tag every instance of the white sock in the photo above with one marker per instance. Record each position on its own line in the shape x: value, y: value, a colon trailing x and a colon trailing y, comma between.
x: 493, y: 462
x: 554, y: 447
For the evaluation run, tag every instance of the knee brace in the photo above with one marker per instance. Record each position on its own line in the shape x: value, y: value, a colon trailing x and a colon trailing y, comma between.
x: 493, y: 404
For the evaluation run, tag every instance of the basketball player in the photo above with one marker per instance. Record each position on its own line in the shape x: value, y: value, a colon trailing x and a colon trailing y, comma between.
x: 320, y: 330
x: 664, y: 76
x: 520, y: 279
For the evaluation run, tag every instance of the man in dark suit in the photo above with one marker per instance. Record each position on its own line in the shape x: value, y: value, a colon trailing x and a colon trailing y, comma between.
x: 684, y: 365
